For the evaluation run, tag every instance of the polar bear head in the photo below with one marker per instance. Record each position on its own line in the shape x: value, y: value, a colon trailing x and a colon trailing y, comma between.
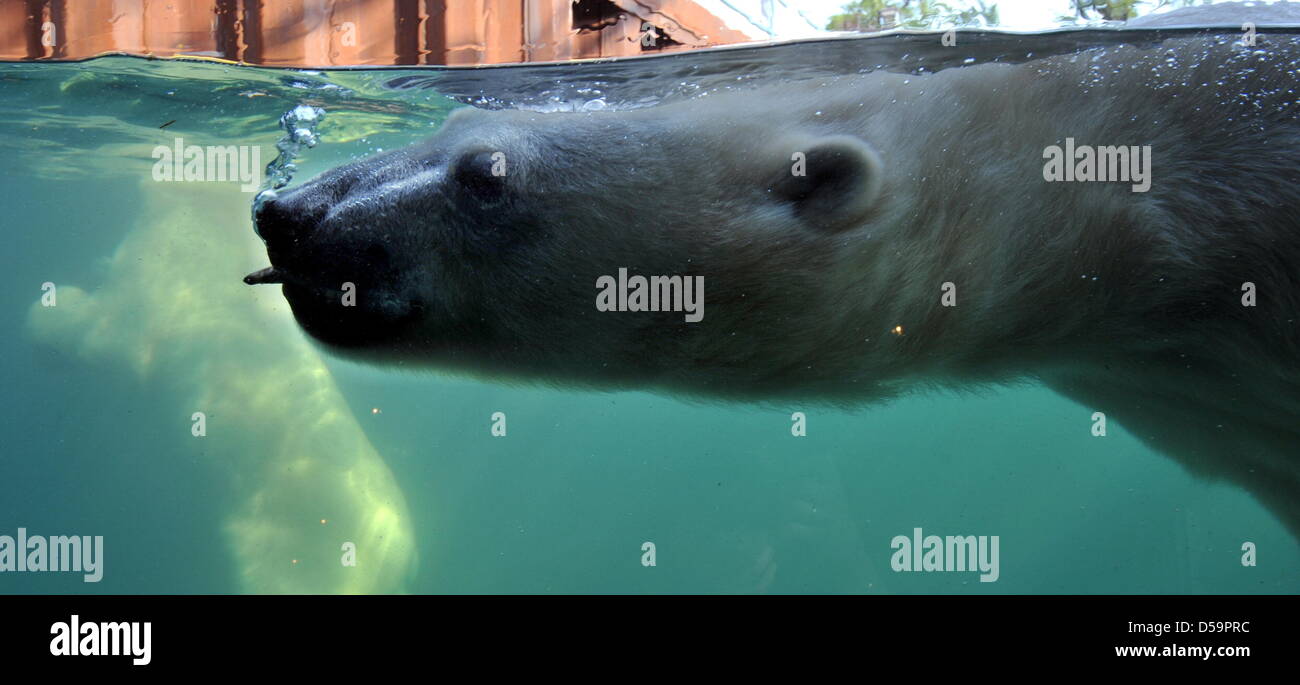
x: 487, y: 248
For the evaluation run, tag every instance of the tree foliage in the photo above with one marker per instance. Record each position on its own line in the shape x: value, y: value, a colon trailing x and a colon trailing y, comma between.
x: 868, y: 15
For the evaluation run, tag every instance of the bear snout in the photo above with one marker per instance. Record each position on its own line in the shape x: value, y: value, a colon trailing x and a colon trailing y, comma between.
x: 278, y: 221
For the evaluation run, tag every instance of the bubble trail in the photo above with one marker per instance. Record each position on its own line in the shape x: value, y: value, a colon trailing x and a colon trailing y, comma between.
x: 299, y: 126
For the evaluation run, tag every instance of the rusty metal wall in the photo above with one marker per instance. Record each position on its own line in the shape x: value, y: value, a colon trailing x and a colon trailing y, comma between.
x: 322, y: 33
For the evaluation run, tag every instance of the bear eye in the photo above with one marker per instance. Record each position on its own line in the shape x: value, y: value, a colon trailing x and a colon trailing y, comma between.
x: 482, y: 174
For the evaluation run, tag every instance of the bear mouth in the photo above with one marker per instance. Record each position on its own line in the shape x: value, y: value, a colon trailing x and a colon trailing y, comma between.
x: 278, y: 275
x: 270, y: 274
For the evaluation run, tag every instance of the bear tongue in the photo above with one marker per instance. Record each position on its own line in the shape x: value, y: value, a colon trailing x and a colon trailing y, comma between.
x: 267, y: 275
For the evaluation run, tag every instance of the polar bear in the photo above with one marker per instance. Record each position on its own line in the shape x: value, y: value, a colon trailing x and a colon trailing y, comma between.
x: 858, y: 238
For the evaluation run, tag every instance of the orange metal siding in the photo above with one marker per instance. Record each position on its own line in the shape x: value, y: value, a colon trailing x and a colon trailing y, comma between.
x: 348, y: 32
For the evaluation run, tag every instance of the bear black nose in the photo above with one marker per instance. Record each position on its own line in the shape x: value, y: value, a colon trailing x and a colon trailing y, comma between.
x: 279, y: 221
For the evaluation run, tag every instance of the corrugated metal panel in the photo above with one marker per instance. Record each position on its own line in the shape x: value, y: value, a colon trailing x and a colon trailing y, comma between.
x: 321, y: 33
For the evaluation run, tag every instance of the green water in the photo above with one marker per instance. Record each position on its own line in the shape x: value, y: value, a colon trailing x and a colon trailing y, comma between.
x: 564, y: 502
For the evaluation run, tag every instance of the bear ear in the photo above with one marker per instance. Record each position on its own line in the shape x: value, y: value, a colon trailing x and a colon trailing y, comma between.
x: 831, y: 182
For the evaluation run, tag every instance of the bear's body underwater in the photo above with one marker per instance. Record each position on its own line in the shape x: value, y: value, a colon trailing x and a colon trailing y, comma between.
x: 922, y: 244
